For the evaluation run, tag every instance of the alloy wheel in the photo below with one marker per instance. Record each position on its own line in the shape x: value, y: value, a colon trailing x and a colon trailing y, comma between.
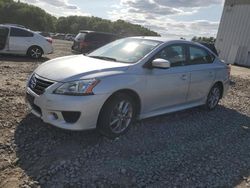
x: 214, y: 97
x: 121, y: 116
x: 35, y: 53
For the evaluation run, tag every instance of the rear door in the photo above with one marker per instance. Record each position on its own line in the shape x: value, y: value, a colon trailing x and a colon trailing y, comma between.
x: 20, y: 40
x: 200, y: 63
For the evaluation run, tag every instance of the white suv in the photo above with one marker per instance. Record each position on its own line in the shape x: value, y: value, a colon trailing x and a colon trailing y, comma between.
x: 19, y: 40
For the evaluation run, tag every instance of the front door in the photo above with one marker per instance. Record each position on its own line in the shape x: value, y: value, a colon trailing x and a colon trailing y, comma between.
x: 168, y: 87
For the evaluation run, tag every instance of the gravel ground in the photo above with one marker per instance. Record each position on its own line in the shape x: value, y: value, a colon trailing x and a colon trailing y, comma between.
x: 192, y: 148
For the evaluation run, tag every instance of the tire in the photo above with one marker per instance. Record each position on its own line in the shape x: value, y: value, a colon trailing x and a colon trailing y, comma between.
x: 213, y: 97
x: 35, y: 52
x: 116, y: 116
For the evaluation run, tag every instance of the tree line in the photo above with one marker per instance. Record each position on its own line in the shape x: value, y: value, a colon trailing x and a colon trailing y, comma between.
x: 210, y: 40
x: 37, y: 19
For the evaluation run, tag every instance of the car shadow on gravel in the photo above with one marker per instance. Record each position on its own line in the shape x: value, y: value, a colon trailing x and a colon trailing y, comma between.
x: 192, y: 148
x: 16, y: 58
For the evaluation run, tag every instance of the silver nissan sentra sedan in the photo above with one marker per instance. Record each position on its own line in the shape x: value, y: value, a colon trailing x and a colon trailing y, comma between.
x: 128, y: 79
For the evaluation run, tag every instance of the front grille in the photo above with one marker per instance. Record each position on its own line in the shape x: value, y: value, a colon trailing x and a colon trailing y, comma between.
x: 38, y: 85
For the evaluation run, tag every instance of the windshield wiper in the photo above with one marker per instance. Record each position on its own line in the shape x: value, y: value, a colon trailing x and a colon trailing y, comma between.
x: 104, y: 58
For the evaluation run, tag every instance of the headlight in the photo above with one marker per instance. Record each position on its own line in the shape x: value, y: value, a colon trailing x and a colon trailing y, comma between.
x: 80, y: 87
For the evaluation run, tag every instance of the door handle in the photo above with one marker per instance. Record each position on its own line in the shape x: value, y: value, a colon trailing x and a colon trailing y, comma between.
x: 184, y: 77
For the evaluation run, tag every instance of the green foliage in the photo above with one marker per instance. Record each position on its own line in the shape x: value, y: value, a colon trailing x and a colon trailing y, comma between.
x: 26, y: 15
x: 210, y: 40
x: 73, y: 24
x: 37, y: 19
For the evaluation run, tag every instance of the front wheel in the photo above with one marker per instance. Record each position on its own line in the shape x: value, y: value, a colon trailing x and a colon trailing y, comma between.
x: 35, y: 52
x: 116, y: 116
x: 214, y: 97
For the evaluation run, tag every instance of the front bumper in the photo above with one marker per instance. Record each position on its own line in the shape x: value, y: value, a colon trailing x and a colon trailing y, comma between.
x: 50, y: 108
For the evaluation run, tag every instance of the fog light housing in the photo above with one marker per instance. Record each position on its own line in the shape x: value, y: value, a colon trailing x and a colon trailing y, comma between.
x: 71, y: 117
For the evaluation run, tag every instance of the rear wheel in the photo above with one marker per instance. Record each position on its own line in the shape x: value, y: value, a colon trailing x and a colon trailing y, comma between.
x: 35, y: 52
x: 116, y: 116
x: 214, y: 97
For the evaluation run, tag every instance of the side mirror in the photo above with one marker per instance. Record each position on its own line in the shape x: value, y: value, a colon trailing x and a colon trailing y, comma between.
x: 161, y: 63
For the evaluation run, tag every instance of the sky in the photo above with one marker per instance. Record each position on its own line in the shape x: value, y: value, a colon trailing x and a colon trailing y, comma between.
x: 170, y: 18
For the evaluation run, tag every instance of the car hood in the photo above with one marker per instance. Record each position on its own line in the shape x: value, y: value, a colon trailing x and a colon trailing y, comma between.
x: 76, y: 67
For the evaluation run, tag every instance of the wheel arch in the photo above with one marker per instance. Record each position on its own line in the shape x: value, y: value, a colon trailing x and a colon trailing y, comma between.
x: 133, y: 94
x: 27, y: 53
x: 220, y: 84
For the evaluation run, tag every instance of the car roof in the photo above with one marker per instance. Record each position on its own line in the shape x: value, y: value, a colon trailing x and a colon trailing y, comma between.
x: 160, y: 39
x: 13, y: 25
x: 174, y: 40
x: 165, y: 40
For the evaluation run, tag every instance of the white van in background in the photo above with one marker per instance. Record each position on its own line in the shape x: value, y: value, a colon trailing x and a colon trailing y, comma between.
x: 15, y: 39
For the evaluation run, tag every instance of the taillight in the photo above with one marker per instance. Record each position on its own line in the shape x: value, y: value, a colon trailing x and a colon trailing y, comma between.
x: 49, y: 40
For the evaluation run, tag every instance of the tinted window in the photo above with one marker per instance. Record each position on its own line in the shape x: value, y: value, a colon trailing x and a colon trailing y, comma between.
x: 109, y: 38
x: 199, y: 56
x: 99, y: 37
x: 175, y: 54
x: 16, y: 32
x: 91, y: 37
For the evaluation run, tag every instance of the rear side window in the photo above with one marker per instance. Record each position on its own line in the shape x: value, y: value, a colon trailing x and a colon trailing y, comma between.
x: 16, y: 32
x: 199, y: 56
x: 175, y: 54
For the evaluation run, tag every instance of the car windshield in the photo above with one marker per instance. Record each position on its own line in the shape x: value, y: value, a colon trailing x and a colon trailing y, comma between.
x: 128, y: 50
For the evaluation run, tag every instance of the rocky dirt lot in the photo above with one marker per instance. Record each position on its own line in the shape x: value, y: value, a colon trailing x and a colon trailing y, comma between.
x: 192, y: 148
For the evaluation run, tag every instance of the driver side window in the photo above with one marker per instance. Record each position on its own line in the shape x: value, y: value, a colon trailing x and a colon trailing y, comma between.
x: 175, y: 54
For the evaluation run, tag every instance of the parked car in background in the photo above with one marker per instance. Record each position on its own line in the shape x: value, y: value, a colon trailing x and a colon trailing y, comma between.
x: 69, y: 37
x: 87, y: 41
x: 45, y: 34
x: 22, y: 41
x: 128, y: 79
x: 59, y: 36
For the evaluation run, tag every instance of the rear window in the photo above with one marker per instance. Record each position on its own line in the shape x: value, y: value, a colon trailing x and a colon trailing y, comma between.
x: 80, y: 36
x: 94, y: 37
x: 99, y: 37
x: 44, y: 34
x: 210, y: 46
